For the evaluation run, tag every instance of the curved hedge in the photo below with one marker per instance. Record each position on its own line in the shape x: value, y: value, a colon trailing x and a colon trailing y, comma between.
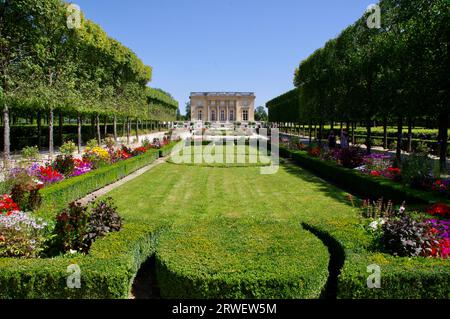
x: 107, y: 272
x: 240, y: 258
x: 401, y: 277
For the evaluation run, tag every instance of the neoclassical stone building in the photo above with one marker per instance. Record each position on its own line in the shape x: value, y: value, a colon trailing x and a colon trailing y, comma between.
x: 223, y: 106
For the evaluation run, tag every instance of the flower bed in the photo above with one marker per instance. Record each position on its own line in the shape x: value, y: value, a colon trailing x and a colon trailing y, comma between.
x: 401, y: 277
x: 365, y: 185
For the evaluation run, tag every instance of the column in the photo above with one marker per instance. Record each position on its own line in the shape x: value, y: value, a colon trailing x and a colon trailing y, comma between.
x: 226, y: 114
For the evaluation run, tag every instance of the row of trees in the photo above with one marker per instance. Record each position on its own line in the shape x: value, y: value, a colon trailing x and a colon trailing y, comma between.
x: 397, y: 73
x: 53, y: 60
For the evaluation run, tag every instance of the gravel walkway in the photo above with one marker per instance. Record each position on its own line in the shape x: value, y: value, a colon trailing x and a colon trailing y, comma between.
x: 124, y: 180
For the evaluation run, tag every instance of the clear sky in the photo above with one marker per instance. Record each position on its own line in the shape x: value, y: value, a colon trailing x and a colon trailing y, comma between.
x: 227, y: 45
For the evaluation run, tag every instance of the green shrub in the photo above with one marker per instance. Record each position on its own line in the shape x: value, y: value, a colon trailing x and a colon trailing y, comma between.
x: 22, y: 235
x: 236, y: 258
x: 68, y: 148
x: 92, y: 143
x: 71, y: 228
x: 416, y: 169
x: 30, y: 153
x: 103, y: 219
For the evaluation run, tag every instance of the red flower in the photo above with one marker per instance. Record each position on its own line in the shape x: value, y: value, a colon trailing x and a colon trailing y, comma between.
x: 7, y: 205
x: 440, y: 209
x: 375, y: 173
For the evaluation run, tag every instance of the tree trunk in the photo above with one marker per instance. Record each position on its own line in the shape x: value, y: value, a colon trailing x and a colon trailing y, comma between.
x: 332, y: 125
x: 128, y: 131
x: 60, y: 128
x: 50, y: 134
x: 137, y: 130
x: 39, y: 129
x: 310, y: 133
x: 124, y: 127
x: 115, y: 129
x: 398, y: 154
x: 320, y: 132
x: 353, y: 133
x: 385, y: 134
x: 443, y: 142
x: 369, y: 136
x: 92, y: 126
x: 6, y: 136
x: 410, y: 135
x: 79, y: 132
x: 99, y: 134
x: 106, y: 126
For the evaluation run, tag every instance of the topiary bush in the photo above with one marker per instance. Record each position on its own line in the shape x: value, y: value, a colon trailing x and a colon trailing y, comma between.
x: 236, y: 258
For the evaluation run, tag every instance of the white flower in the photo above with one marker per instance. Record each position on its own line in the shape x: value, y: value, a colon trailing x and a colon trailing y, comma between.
x: 374, y: 225
x: 377, y: 223
x: 402, y: 210
x: 72, y: 251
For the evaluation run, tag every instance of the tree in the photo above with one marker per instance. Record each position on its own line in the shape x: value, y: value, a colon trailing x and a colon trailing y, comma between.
x: 261, y: 114
x: 188, y: 111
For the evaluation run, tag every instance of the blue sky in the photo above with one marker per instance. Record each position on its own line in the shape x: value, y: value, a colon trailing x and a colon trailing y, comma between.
x: 228, y: 45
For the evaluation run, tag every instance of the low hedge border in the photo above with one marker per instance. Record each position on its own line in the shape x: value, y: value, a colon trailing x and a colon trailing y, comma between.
x: 359, y: 183
x: 57, y: 196
x: 107, y: 272
x: 401, y: 277
x: 229, y: 258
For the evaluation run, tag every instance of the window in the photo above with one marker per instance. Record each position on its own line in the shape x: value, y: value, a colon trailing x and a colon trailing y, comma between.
x: 213, y: 115
x: 231, y: 115
x: 213, y: 103
x: 222, y: 103
x: 222, y: 115
x: 200, y: 115
x: 245, y: 115
x: 200, y: 103
x: 245, y: 102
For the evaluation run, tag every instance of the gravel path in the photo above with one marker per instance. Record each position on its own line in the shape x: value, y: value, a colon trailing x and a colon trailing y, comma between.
x: 110, y: 187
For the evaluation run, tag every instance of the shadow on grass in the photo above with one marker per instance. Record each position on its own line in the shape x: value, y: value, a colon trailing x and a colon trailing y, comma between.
x: 324, y: 187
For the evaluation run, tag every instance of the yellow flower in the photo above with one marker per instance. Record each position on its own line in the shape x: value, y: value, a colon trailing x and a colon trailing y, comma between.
x: 99, y: 151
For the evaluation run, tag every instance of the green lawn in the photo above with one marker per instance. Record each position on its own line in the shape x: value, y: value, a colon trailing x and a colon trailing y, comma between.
x: 232, y: 232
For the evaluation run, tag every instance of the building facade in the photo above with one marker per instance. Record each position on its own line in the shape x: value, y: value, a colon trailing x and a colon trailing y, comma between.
x: 224, y: 107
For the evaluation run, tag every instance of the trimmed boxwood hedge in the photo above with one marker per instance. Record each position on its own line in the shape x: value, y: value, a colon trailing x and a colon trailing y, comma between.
x: 57, y: 196
x: 241, y: 258
x: 107, y: 272
x: 401, y: 277
x: 361, y: 184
